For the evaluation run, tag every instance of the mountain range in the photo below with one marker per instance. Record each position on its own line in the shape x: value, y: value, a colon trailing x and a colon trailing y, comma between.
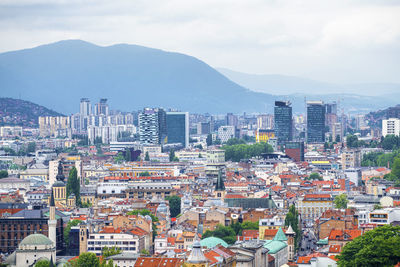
x: 57, y: 75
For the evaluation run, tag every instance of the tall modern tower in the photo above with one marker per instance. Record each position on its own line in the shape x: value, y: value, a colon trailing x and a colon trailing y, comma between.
x: 85, y: 108
x: 315, y: 121
x: 152, y: 126
x: 178, y: 128
x: 102, y: 107
x: 283, y: 121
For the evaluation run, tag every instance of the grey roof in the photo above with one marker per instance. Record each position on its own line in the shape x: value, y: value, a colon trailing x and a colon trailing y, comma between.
x: 124, y: 256
x: 27, y: 214
x: 36, y: 239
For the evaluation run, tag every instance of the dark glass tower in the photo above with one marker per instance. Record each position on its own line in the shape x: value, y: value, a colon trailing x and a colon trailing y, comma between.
x: 283, y: 121
x: 178, y: 128
x: 315, y: 122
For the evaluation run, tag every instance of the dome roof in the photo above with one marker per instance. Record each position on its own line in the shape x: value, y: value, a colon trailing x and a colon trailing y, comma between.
x: 162, y: 208
x: 212, y: 241
x: 36, y: 240
x: 58, y: 184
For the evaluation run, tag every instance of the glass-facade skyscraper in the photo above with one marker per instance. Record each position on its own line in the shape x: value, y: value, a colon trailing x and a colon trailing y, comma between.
x: 178, y: 128
x: 315, y: 122
x: 283, y: 121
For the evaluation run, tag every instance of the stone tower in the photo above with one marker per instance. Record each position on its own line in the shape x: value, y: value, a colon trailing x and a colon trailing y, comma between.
x: 82, y: 238
x: 290, y: 236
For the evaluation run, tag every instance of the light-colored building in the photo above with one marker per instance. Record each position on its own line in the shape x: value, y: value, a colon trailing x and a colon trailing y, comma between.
x: 32, y: 248
x: 127, y: 242
x: 351, y: 158
x: 225, y: 133
x: 391, y: 126
x: 311, y: 206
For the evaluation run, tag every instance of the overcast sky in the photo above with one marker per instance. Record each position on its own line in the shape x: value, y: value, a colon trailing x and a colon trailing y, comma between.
x: 328, y: 40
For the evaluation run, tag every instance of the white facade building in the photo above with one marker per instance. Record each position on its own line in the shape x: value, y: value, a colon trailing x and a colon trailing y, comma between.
x: 225, y: 133
x: 391, y: 126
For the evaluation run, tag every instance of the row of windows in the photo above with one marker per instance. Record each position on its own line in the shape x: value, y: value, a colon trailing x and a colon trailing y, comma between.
x: 112, y: 242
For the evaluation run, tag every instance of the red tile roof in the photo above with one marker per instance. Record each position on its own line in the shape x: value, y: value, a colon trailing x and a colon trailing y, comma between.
x: 156, y: 262
x: 335, y: 248
x: 344, y: 234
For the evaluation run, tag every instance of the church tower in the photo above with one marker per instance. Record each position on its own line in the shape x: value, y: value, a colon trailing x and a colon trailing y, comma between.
x: 59, y: 189
x: 290, y: 241
x: 82, y: 238
x: 219, y: 191
x: 52, y: 222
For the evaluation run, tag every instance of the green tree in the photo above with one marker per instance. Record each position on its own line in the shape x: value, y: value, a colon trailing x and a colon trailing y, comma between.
x: 352, y: 141
x: 88, y: 259
x: 128, y: 155
x: 107, y: 252
x: 390, y: 142
x: 209, y: 140
x: 341, y: 201
x: 378, y: 247
x: 144, y: 174
x: 172, y: 156
x: 377, y: 207
x: 174, y: 205
x: 3, y: 174
x: 226, y: 233
x: 43, y: 263
x: 147, y: 156
x: 31, y: 147
x: 292, y: 218
x: 144, y: 252
x: 67, y: 230
x: 248, y: 225
x: 395, y: 173
x: 73, y: 185
x: 315, y: 176
x: 119, y: 158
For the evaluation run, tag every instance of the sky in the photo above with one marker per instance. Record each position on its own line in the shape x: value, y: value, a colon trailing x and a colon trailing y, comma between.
x: 341, y: 41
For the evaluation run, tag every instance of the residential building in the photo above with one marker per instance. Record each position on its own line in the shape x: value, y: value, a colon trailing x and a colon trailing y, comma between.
x: 351, y: 158
x: 152, y: 126
x: 391, y: 126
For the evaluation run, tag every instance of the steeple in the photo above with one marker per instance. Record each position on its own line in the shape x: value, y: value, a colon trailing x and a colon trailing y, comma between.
x: 52, y: 202
x: 220, y: 186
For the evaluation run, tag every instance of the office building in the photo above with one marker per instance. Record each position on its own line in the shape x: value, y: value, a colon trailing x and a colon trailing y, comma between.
x: 225, y: 133
x: 178, y: 128
x: 315, y: 122
x: 391, y: 126
x: 295, y: 150
x: 283, y: 121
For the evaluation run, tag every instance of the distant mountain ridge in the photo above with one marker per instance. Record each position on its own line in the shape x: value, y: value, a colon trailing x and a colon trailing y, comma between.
x: 57, y: 75
x: 16, y: 112
x: 131, y: 77
x: 287, y: 85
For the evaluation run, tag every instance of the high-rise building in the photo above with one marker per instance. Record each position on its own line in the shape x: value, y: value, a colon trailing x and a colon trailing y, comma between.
x: 265, y: 121
x: 283, y: 121
x: 102, y: 107
x: 152, y: 126
x: 178, y: 128
x: 231, y: 120
x: 315, y: 122
x: 85, y: 108
x: 203, y: 128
